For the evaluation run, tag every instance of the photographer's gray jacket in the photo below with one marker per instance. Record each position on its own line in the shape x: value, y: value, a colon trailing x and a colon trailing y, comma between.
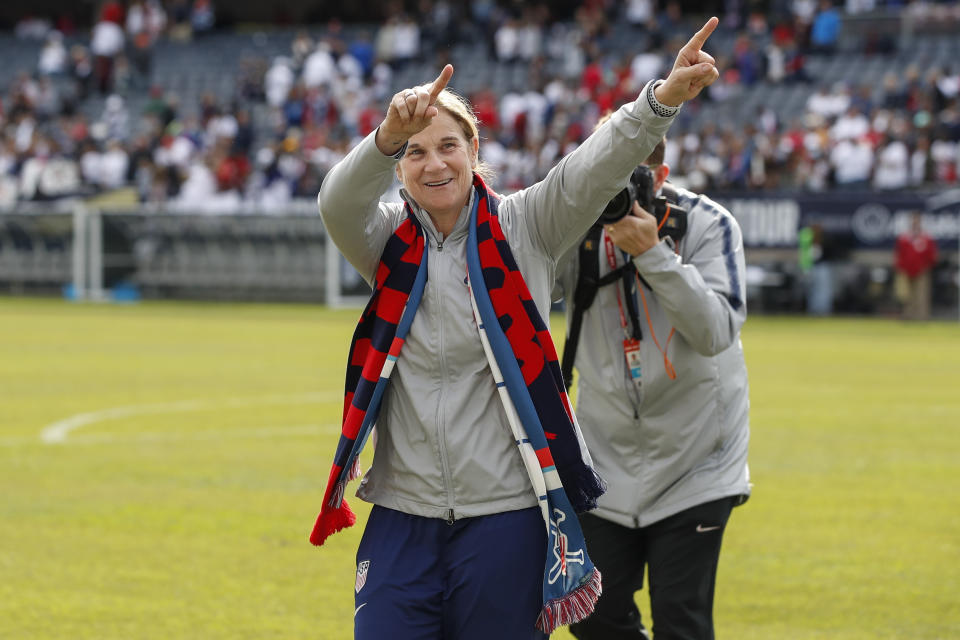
x: 444, y: 447
x: 671, y: 444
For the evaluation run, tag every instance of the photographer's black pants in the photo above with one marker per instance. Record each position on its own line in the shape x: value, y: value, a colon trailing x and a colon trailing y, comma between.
x: 681, y: 552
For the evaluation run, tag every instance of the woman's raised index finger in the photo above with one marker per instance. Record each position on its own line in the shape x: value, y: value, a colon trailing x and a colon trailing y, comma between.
x: 701, y: 36
x: 441, y: 82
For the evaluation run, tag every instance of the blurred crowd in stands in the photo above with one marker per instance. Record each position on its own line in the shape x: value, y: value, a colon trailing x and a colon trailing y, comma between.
x: 331, y: 88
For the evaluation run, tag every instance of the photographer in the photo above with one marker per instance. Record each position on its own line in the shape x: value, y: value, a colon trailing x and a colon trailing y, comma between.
x: 661, y: 398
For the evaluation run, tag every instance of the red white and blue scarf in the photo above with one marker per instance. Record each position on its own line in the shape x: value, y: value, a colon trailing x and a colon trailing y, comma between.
x: 526, y: 371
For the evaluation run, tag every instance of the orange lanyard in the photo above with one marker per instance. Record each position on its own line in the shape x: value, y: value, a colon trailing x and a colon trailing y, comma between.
x: 667, y: 365
x: 612, y: 261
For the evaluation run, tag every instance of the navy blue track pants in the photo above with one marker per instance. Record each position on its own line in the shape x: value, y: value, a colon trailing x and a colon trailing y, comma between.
x: 475, y: 579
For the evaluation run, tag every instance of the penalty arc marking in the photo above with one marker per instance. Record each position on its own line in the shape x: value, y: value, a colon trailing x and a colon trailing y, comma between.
x: 57, y: 432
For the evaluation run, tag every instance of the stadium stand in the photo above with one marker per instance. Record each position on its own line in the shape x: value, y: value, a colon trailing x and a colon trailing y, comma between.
x: 548, y: 88
x: 247, y: 118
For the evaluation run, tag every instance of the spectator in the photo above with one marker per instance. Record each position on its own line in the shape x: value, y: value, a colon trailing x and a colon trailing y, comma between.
x: 141, y: 57
x: 948, y: 83
x: 244, y: 136
x: 406, y: 41
x: 81, y: 69
x: 105, y: 44
x: 319, y: 68
x: 439, y: 25
x: 159, y: 107
x: 852, y: 163
x: 179, y: 12
x: 921, y: 164
x: 301, y: 47
x: 818, y: 254
x: 232, y: 171
x: 529, y: 36
x: 943, y: 153
x: 348, y: 67
x: 854, y: 7
x: 647, y: 64
x: 90, y: 160
x: 278, y: 81
x: 851, y: 125
x: 146, y: 16
x: 114, y: 164
x: 894, y: 95
x: 825, y: 31
x: 828, y: 103
x: 54, y: 59
x: 892, y: 169
x: 199, y: 189
x: 115, y: 118
x: 253, y: 69
x: 795, y: 62
x: 32, y: 28
x: 361, y: 48
x: 776, y: 62
x: 202, y: 17
x: 747, y: 60
x: 46, y: 98
x: 914, y: 258
x: 639, y: 13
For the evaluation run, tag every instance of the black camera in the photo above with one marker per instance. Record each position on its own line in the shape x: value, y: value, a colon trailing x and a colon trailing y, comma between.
x: 671, y: 217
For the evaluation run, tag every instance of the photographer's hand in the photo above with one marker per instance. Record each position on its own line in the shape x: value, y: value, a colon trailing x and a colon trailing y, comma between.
x: 634, y: 233
x: 693, y: 70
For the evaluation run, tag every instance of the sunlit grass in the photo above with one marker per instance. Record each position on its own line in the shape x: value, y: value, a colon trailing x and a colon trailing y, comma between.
x: 187, y: 516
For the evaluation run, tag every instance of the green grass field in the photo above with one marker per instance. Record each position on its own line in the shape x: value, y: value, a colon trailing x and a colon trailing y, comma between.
x: 187, y: 446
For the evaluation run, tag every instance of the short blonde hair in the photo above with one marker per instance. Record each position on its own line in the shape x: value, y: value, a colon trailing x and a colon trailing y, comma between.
x: 461, y: 111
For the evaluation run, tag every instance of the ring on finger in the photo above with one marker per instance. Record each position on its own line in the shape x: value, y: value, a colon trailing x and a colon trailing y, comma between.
x: 409, y: 94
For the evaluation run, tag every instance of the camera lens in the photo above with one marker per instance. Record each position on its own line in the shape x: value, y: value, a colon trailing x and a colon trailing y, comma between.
x: 617, y: 208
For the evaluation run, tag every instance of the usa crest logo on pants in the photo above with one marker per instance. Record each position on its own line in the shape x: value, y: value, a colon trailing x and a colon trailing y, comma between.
x: 362, y: 569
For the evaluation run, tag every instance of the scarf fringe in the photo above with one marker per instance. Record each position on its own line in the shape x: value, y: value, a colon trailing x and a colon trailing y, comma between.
x: 331, y: 520
x: 583, y: 487
x: 573, y: 607
x: 355, y: 471
x: 336, y: 514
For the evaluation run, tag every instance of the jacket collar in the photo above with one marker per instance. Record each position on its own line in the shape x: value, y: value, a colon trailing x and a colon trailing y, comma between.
x: 459, y: 229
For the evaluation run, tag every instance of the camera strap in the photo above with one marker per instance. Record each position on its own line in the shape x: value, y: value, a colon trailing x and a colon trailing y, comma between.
x: 588, y: 276
x: 589, y: 282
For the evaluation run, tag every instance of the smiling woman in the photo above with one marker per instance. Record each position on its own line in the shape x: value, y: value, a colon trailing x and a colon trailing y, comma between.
x: 474, y: 501
x: 437, y: 169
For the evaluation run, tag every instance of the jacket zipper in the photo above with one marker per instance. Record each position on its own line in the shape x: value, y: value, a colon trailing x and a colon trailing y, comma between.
x: 441, y: 435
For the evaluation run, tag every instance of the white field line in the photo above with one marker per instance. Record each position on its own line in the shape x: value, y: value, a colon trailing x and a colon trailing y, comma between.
x: 238, y: 433
x: 57, y: 432
x: 209, y: 434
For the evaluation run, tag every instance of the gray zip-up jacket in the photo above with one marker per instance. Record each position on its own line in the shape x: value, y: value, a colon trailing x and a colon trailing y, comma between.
x: 668, y: 445
x: 444, y: 447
